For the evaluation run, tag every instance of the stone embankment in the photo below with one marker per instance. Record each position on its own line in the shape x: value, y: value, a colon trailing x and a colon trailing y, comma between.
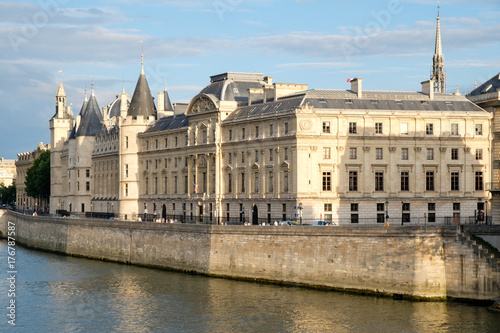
x: 404, y: 262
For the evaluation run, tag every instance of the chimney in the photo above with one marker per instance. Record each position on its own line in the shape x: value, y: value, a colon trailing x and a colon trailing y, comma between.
x: 123, y: 105
x: 357, y: 87
x: 268, y: 80
x: 254, y: 94
x: 105, y: 113
x: 427, y: 88
x: 161, y: 102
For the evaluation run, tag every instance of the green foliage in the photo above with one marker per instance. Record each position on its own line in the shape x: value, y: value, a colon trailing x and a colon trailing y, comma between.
x: 7, y: 194
x: 38, y: 177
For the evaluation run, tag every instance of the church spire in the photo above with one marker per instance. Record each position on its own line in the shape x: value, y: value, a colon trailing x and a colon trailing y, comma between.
x: 438, y: 74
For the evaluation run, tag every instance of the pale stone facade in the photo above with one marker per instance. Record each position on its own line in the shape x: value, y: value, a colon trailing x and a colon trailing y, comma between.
x: 23, y: 163
x: 487, y: 96
x: 340, y: 154
x: 7, y: 171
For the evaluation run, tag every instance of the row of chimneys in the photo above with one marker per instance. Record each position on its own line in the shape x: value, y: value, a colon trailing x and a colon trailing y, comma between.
x: 357, y: 87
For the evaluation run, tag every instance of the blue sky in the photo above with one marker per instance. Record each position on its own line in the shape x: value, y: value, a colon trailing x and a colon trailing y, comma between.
x: 322, y: 43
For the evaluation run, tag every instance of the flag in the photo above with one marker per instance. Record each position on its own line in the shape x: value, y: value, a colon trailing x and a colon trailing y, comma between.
x: 349, y: 80
x: 195, y: 187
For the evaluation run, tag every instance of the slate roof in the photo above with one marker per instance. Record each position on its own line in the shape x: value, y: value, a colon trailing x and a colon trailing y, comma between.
x: 347, y: 100
x: 142, y: 103
x: 492, y: 85
x: 115, y: 106
x: 233, y: 86
x: 170, y: 122
x: 91, y: 119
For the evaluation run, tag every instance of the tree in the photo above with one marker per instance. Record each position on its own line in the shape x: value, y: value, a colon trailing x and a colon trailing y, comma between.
x: 38, y: 177
x: 7, y: 194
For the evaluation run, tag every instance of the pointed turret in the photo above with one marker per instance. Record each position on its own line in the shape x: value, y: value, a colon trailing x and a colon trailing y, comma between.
x: 91, y: 118
x: 142, y: 103
x: 438, y: 74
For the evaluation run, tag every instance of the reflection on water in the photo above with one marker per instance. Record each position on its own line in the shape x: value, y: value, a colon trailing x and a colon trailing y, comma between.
x: 58, y: 293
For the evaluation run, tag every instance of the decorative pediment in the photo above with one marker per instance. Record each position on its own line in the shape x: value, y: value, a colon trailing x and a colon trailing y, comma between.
x: 229, y: 168
x: 255, y: 166
x: 201, y: 103
x: 285, y: 165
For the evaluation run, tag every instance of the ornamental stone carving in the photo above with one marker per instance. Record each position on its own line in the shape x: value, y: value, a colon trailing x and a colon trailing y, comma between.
x: 305, y: 124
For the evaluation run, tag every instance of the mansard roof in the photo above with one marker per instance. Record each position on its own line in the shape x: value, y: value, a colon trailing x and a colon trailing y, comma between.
x: 167, y: 123
x: 91, y: 119
x: 348, y: 100
x: 142, y: 103
x: 233, y: 86
x: 490, y: 86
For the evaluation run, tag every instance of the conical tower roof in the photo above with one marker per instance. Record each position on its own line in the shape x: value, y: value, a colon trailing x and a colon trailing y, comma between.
x: 142, y: 103
x: 91, y: 121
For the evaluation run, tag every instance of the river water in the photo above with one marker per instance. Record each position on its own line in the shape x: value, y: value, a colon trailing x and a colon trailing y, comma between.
x: 55, y: 293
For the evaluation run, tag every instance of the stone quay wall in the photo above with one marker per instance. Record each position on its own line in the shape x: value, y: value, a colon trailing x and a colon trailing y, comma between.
x: 413, y: 262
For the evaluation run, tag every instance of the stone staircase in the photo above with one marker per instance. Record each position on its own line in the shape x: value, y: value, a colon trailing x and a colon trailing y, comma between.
x: 481, y: 248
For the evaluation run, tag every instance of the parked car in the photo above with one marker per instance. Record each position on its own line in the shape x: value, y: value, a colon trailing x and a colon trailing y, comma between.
x: 286, y: 223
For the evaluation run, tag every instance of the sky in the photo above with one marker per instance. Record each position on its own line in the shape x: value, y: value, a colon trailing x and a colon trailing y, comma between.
x: 321, y: 43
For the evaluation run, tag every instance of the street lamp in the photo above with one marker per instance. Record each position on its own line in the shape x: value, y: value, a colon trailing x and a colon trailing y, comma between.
x: 300, y: 212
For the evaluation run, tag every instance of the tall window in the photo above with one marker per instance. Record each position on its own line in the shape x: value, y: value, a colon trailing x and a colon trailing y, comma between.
x: 353, y: 180
x: 431, y: 215
x: 455, y: 181
x: 430, y: 153
x: 405, y: 181
x: 147, y: 185
x: 429, y: 180
x: 271, y: 155
x: 327, y: 181
x: 126, y: 190
x: 479, y: 129
x: 286, y: 128
x: 257, y: 131
x: 204, y: 133
x: 175, y: 185
x: 454, y: 153
x: 256, y: 156
x: 454, y: 129
x: 479, y: 181
x: 429, y: 129
x: 379, y: 180
x: 379, y: 153
x: 271, y: 182
x: 271, y: 130
x: 326, y: 127
x: 378, y: 128
x: 156, y: 185
x: 243, y: 133
x: 126, y: 170
x: 285, y: 181
x: 230, y: 135
x: 354, y: 213
x: 165, y: 185
x: 352, y: 128
x: 229, y: 183
x: 256, y: 186
x: 243, y: 157
x: 326, y: 153
x: 353, y: 153
x: 166, y: 142
x: 126, y: 142
x: 404, y: 153
x: 243, y: 183
x: 286, y: 154
x: 479, y: 154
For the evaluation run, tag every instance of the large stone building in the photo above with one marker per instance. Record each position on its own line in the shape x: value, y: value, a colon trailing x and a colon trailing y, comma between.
x: 247, y: 150
x: 23, y: 163
x: 487, y: 96
x: 7, y: 171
